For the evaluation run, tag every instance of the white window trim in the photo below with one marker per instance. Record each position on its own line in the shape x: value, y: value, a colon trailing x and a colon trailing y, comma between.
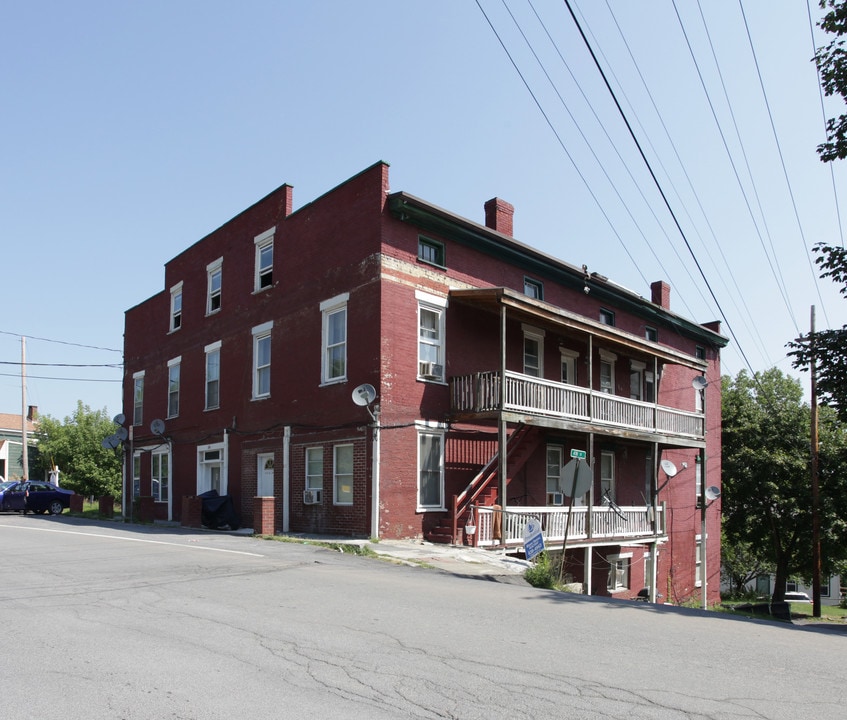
x: 261, y: 242
x: 135, y: 377
x: 611, y: 359
x: 436, y: 304
x: 307, y: 477
x: 211, y: 268
x: 259, y: 332
x: 160, y: 453
x: 176, y: 290
x: 335, y: 500
x: 612, y: 478
x: 639, y: 368
x: 174, y: 362
x: 533, y: 333
x: 427, y: 427
x: 570, y: 357
x: 212, y: 347
x: 698, y: 559
x: 224, y: 461
x: 330, y: 307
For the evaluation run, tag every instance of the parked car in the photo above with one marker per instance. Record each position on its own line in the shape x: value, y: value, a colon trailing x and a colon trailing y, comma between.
x: 798, y: 597
x: 37, y: 497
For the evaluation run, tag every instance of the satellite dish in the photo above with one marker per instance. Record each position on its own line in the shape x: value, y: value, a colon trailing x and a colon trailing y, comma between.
x: 110, y: 443
x: 364, y: 394
x: 121, y: 433
x: 157, y: 427
x: 119, y: 419
x: 712, y: 493
x: 669, y: 468
x: 699, y: 383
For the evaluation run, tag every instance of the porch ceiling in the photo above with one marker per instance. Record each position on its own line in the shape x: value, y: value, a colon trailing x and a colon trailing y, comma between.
x: 493, y: 299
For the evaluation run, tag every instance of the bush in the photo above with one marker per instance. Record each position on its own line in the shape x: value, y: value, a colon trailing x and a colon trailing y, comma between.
x: 541, y: 574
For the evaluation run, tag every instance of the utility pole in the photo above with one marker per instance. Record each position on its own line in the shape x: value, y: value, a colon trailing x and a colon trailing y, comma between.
x: 816, y: 519
x: 25, y: 449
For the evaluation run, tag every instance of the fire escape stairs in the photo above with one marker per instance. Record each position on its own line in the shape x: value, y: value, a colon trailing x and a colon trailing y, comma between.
x: 482, y: 490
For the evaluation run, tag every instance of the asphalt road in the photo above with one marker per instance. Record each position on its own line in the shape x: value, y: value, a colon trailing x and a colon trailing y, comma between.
x: 129, y: 622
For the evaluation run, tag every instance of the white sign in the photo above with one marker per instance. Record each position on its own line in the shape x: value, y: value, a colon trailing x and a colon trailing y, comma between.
x: 533, y: 540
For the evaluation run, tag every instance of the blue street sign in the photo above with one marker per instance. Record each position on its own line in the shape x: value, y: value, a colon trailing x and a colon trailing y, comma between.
x: 533, y: 540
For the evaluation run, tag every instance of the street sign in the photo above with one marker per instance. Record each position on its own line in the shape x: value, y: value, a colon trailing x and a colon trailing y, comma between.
x: 533, y: 540
x: 580, y: 454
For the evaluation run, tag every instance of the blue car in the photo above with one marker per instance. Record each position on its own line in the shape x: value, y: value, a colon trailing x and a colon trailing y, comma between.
x: 35, y: 496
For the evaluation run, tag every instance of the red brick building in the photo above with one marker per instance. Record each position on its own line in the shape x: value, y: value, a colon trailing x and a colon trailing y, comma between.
x: 490, y: 363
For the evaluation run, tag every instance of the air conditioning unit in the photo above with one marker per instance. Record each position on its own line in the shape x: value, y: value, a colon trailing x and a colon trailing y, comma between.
x: 555, y: 498
x: 431, y: 370
x: 311, y: 497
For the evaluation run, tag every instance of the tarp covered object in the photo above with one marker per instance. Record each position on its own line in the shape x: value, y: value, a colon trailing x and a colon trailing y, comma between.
x: 218, y: 511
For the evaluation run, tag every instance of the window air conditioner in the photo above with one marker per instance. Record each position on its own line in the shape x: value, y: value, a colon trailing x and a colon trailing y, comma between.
x: 311, y: 497
x: 555, y: 498
x: 431, y: 370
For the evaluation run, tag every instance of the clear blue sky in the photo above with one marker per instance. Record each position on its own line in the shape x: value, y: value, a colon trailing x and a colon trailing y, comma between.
x: 130, y: 130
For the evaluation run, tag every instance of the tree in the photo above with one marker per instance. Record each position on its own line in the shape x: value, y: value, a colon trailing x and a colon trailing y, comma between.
x: 831, y: 62
x: 827, y: 348
x: 767, y: 505
x: 75, y: 447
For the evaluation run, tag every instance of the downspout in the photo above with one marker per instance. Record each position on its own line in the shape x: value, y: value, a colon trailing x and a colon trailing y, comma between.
x: 375, y: 475
x: 654, y: 546
x: 286, y: 478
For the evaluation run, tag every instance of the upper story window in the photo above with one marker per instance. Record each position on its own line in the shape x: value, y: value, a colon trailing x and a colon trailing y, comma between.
x: 431, y: 354
x: 213, y: 375
x: 533, y: 351
x: 700, y: 352
x: 176, y: 306
x: 334, y: 334
x: 533, y: 288
x: 607, y: 372
x: 173, y: 386
x: 607, y: 477
x: 607, y: 317
x: 138, y: 398
x: 262, y: 360
x: 431, y: 252
x: 569, y: 358
x: 264, y: 259
x: 214, y: 272
x: 637, y: 370
x: 651, y: 334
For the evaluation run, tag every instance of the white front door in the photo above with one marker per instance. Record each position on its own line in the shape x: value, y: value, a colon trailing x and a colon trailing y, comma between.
x: 265, y: 474
x: 210, y: 469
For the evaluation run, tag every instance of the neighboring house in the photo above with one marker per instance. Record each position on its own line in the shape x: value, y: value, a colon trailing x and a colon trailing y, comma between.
x: 478, y: 348
x: 11, y: 443
x: 831, y: 588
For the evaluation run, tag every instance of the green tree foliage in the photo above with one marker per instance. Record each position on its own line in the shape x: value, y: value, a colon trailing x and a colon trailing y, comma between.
x: 831, y: 61
x: 74, y: 445
x: 767, y: 499
x: 827, y: 348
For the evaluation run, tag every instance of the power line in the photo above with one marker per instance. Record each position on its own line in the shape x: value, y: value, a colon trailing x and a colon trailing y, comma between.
x: 59, y: 342
x: 42, y: 377
x: 74, y: 365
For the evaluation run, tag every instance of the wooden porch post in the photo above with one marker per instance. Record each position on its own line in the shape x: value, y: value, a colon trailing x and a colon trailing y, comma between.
x: 502, y: 460
x: 654, y: 546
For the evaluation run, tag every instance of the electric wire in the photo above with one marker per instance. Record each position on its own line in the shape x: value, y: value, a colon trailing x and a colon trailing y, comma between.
x: 658, y: 186
x: 559, y: 139
x: 60, y: 342
x: 806, y: 252
x: 823, y: 116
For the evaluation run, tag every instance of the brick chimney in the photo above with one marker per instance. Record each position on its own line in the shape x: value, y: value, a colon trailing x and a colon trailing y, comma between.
x: 498, y: 215
x: 32, y: 413
x: 661, y: 294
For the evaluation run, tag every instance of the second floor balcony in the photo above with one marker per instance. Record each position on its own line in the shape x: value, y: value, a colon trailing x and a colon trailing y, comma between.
x: 542, y: 401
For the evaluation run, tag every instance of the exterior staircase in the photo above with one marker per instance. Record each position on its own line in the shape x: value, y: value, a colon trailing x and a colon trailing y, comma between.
x: 482, y: 490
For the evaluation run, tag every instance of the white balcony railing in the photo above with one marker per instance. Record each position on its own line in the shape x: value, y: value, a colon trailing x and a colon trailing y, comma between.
x: 480, y: 392
x: 606, y: 523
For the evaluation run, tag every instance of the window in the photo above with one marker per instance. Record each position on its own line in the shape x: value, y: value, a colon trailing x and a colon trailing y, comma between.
x: 649, y: 386
x: 264, y: 259
x: 430, y: 469
x: 431, y: 252
x: 342, y: 474
x: 213, y: 375
x: 176, y: 307
x: 160, y: 476
x: 700, y: 352
x: 262, y: 360
x: 698, y: 561
x: 636, y: 380
x: 651, y: 334
x: 698, y: 480
x: 214, y: 272
x: 569, y: 358
x: 334, y: 333
x: 173, y: 387
x: 533, y: 351
x: 619, y: 572
x: 533, y: 288
x: 607, y: 477
x: 138, y: 398
x: 136, y: 474
x: 431, y: 310
x: 607, y: 317
x: 607, y: 372
x: 314, y: 468
x: 555, y: 454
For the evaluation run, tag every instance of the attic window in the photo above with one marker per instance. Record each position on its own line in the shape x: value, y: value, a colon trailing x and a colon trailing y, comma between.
x: 431, y: 252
